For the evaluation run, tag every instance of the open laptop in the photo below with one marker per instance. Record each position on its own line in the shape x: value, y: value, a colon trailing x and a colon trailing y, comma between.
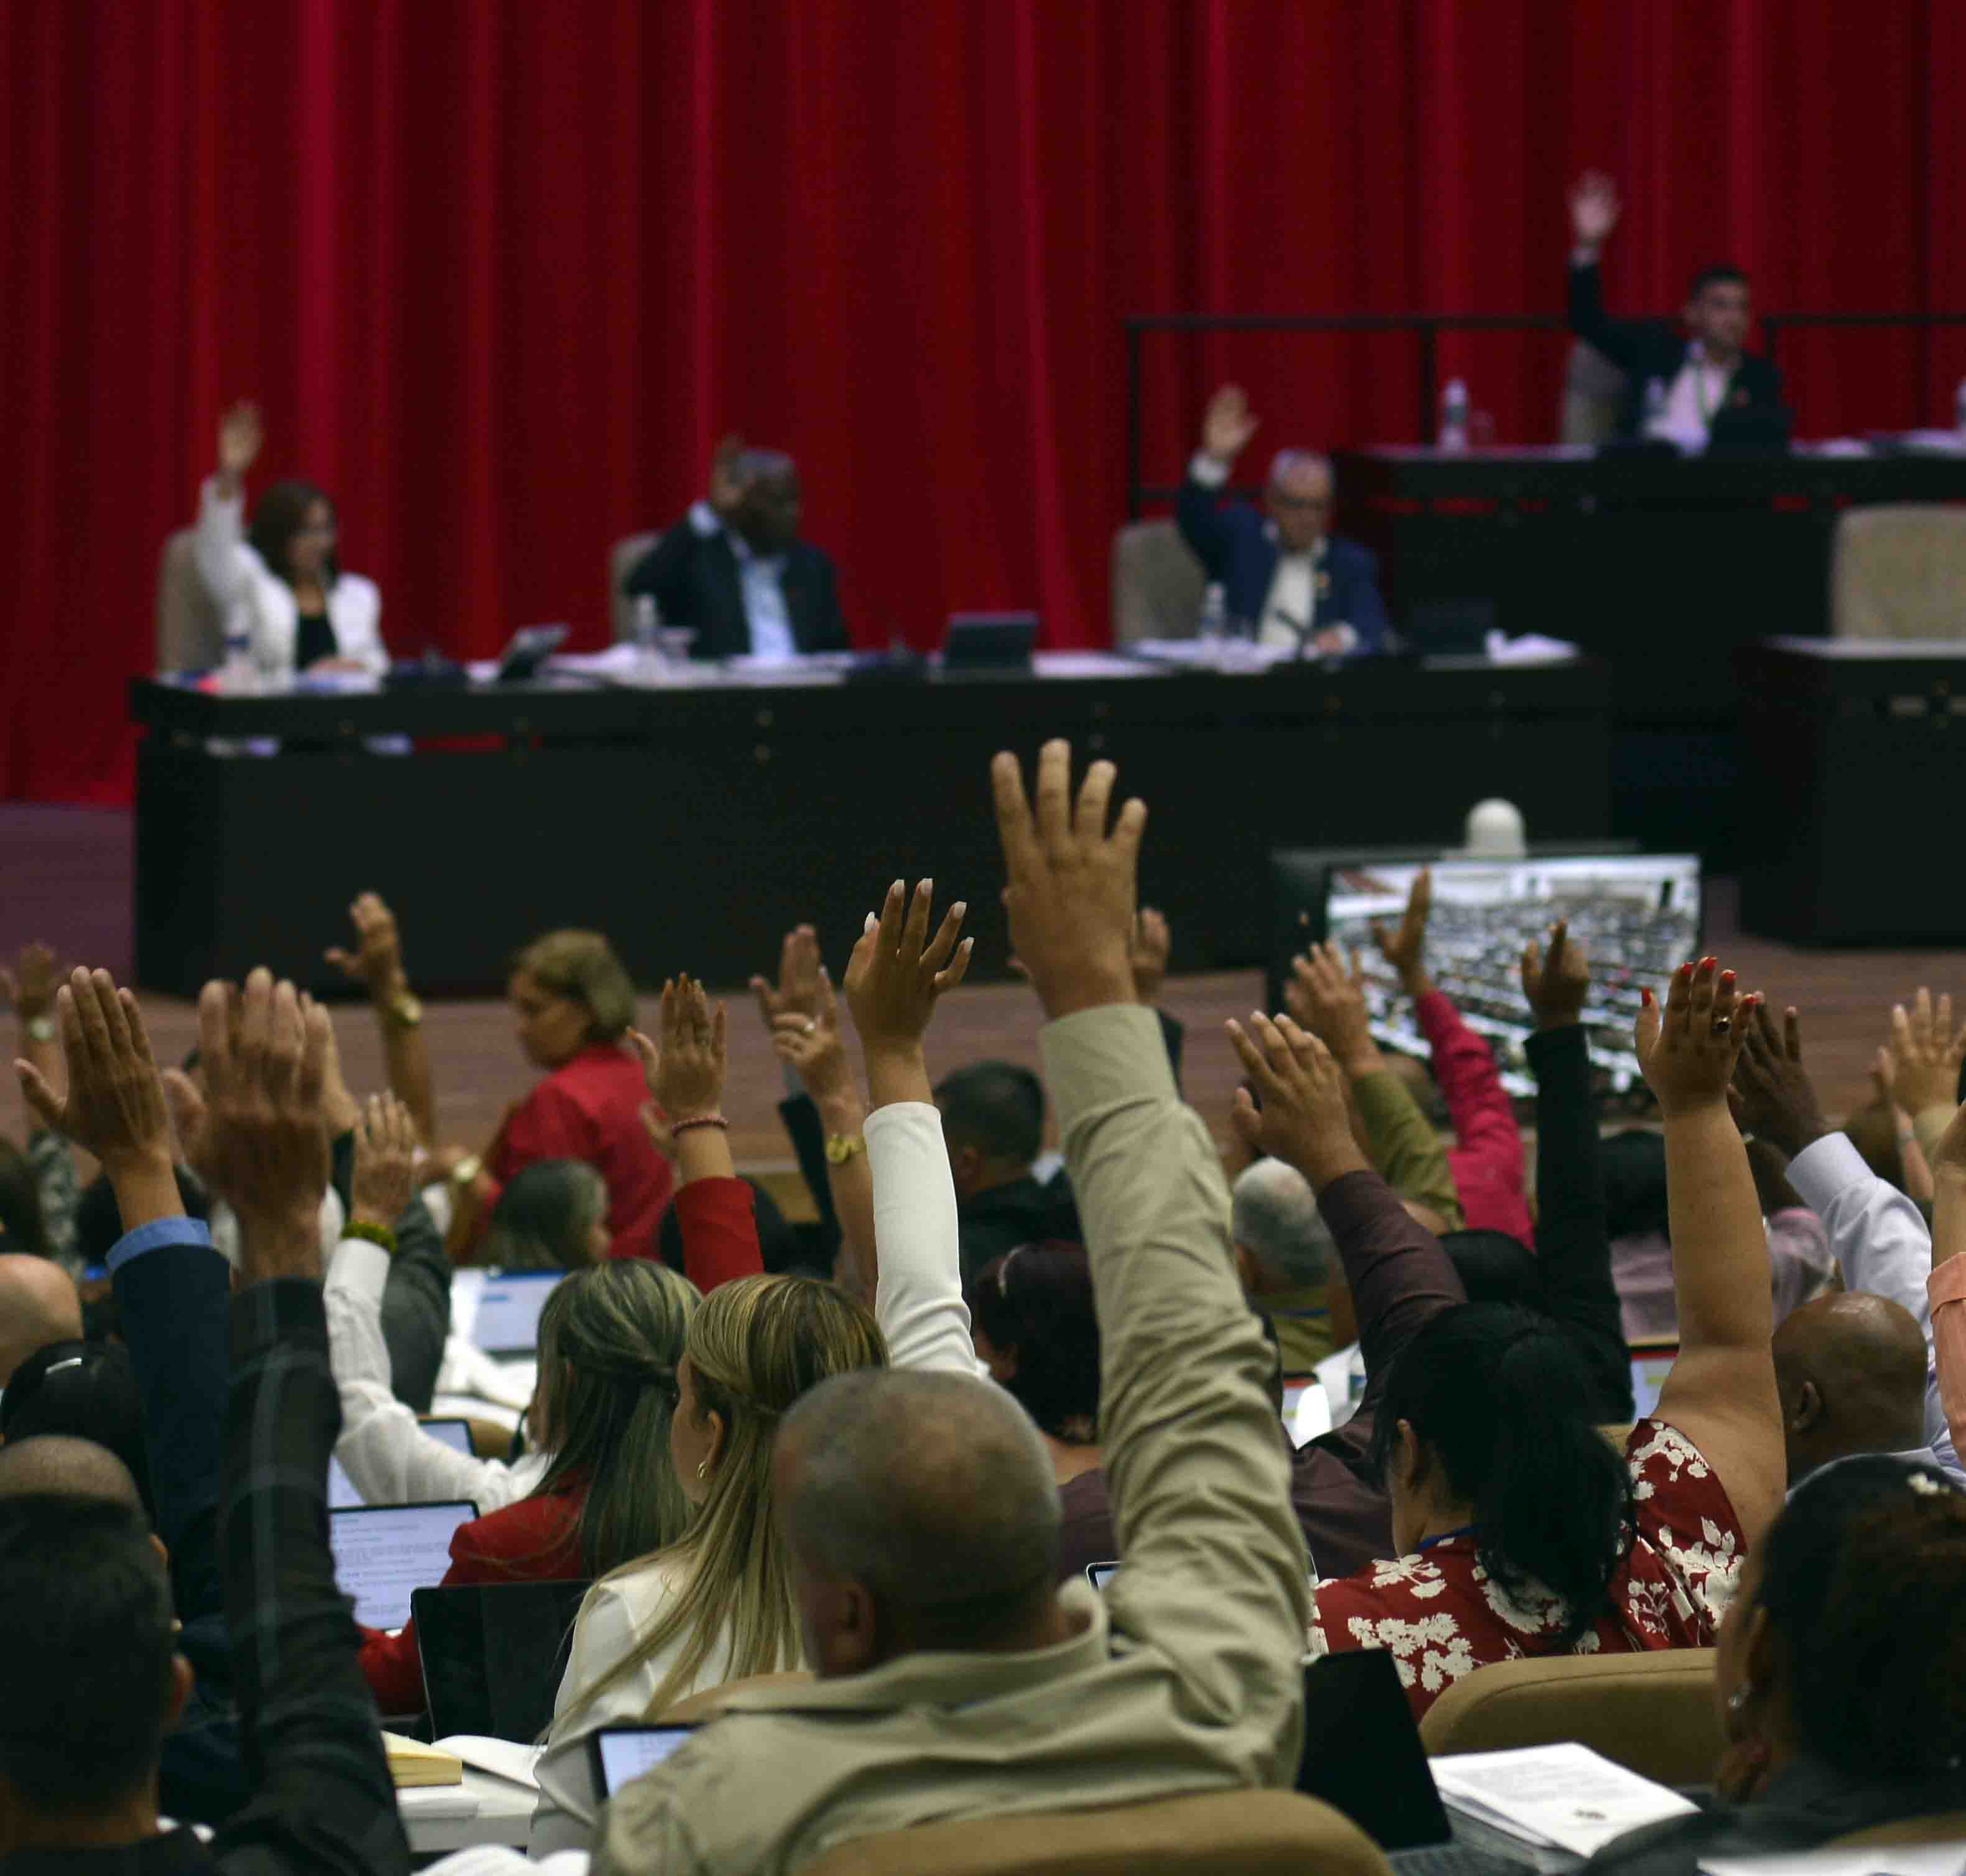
x: 507, y: 1319
x: 1362, y: 1756
x: 1652, y: 1362
x: 989, y: 641
x: 383, y: 1553
x: 493, y: 1655
x: 620, y: 1755
x: 528, y: 648
x: 341, y: 1492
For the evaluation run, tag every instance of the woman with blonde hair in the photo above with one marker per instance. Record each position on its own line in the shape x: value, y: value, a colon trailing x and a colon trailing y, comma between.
x: 716, y: 1605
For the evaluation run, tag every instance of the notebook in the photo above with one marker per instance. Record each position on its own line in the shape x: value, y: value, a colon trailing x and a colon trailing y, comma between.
x: 622, y: 1754
x: 507, y: 1321
x: 382, y: 1553
x: 341, y: 1492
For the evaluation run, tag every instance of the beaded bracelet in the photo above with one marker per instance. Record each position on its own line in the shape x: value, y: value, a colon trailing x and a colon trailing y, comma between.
x: 375, y: 1234
x: 702, y: 1120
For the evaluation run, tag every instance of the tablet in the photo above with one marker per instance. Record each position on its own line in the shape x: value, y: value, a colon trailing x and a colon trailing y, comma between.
x: 1100, y: 1574
x: 507, y: 1321
x: 621, y: 1754
x: 341, y: 1492
x: 383, y: 1551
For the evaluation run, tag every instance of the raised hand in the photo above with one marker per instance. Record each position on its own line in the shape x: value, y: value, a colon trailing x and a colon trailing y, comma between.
x: 1304, y: 1119
x: 240, y: 433
x: 1773, y: 1097
x: 29, y: 988
x: 377, y: 961
x: 1556, y: 985
x: 1073, y: 887
x: 797, y: 993
x: 1926, y: 1053
x: 1152, y: 942
x: 1228, y: 424
x: 114, y: 1105
x: 897, y: 973
x: 385, y: 1162
x: 685, y: 1071
x: 1405, y: 948
x: 1594, y: 209
x: 339, y: 1109
x: 815, y: 1047
x: 730, y: 476
x: 1687, y: 1050
x: 1329, y: 1001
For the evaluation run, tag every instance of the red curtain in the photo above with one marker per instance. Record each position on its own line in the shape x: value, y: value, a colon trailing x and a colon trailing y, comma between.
x: 501, y: 270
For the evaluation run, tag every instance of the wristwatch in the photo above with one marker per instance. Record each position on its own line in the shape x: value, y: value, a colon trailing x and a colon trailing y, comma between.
x: 841, y: 1148
x: 403, y: 1011
x: 40, y: 1029
x: 465, y: 1172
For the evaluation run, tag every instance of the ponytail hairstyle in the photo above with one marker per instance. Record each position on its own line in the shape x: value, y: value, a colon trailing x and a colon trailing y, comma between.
x: 1036, y: 1302
x: 611, y: 1337
x: 1498, y: 1400
x: 754, y: 1346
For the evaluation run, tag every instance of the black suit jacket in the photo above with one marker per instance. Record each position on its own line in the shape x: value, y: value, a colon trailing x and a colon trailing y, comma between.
x: 1646, y: 348
x: 694, y: 581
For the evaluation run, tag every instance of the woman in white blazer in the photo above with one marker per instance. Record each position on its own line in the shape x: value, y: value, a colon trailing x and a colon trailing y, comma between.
x: 279, y: 583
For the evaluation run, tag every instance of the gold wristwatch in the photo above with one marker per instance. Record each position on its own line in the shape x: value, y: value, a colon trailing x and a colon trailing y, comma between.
x: 464, y: 1174
x: 403, y: 1011
x: 841, y: 1148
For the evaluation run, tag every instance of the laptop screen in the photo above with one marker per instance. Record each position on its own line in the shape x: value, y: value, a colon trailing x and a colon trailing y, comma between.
x: 382, y: 1553
x: 507, y: 1322
x: 1362, y: 1754
x: 1650, y: 1366
x: 622, y: 1754
x: 341, y: 1492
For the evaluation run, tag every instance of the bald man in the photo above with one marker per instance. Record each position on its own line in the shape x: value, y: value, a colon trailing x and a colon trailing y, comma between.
x: 56, y: 1465
x: 38, y: 1304
x: 1850, y: 1368
x: 1303, y: 589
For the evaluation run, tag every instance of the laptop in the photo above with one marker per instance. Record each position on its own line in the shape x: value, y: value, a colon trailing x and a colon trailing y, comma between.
x: 1652, y: 1362
x: 1100, y: 1574
x: 493, y: 1655
x: 989, y: 641
x: 620, y: 1755
x: 1746, y: 431
x: 508, y: 1321
x: 341, y: 1492
x: 383, y: 1553
x: 1362, y: 1756
x: 531, y: 647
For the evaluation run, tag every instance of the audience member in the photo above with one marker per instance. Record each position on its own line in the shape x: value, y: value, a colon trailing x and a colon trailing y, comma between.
x: 1301, y: 589
x: 1843, y: 1708
x: 39, y: 1304
x: 1487, y: 1157
x: 85, y: 1391
x: 1697, y: 379
x: 279, y: 582
x: 46, y: 1226
x: 88, y: 1624
x: 1283, y: 1251
x: 919, y: 1512
x: 735, y: 571
x: 1945, y: 1287
x: 1878, y: 1237
x: 1516, y: 1526
x: 1915, y: 1171
x: 1928, y: 1067
x: 553, y: 1216
x: 22, y: 1230
x: 993, y: 1116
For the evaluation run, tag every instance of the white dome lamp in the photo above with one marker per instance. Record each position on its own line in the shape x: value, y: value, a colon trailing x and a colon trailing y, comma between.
x: 1495, y: 831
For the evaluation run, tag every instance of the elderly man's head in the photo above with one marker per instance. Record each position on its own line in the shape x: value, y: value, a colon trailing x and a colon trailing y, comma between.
x: 1282, y: 1242
x: 1298, y: 498
x: 1850, y: 1368
x: 919, y: 1513
x: 38, y: 1305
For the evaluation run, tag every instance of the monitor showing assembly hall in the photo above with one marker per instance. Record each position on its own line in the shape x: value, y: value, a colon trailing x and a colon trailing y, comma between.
x: 1638, y: 914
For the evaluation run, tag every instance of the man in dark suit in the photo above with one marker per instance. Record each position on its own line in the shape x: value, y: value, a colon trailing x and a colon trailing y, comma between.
x: 736, y: 570
x: 1700, y: 370
x: 1303, y: 589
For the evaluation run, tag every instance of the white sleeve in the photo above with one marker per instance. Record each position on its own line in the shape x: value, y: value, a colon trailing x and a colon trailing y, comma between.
x: 564, y: 1817
x: 1881, y: 1239
x: 356, y: 609
x: 388, y: 1456
x: 219, y: 545
x: 918, y: 1299
x: 1209, y: 471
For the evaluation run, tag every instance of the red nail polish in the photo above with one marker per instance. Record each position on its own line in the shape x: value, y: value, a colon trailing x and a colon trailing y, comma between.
x: 1707, y: 963
x: 1727, y: 979
x: 1685, y: 973
x: 1645, y: 996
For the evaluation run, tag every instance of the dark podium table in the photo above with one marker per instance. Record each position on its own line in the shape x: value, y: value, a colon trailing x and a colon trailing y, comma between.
x: 1857, y: 752
x: 695, y: 825
x: 1662, y: 566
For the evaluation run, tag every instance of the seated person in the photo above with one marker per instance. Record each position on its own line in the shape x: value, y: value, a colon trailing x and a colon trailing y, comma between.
x: 553, y: 1216
x: 279, y: 583
x: 1302, y: 589
x: 84, y: 1391
x: 39, y: 1304
x: 1700, y: 371
x: 1841, y: 1705
x: 993, y: 1116
x: 1283, y: 1251
x: 1517, y: 1528
x: 735, y: 571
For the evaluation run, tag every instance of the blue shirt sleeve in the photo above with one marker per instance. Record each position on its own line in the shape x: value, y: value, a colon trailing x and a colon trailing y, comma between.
x: 155, y: 1236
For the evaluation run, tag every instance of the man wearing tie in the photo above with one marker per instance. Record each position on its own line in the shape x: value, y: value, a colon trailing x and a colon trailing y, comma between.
x: 735, y: 570
x: 1305, y: 591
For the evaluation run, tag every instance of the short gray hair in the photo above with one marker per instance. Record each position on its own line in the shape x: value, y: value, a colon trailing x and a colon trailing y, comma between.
x: 1288, y: 462
x: 1276, y: 1220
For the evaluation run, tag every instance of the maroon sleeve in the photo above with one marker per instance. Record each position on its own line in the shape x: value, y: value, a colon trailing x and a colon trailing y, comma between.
x: 720, y: 1231
x: 1484, y: 1116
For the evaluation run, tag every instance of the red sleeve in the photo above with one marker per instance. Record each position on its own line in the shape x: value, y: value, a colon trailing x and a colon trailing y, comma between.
x: 548, y: 1124
x: 393, y: 1669
x: 1484, y: 1116
x: 720, y: 1231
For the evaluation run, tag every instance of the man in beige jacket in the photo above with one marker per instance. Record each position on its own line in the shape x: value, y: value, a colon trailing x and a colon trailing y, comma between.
x: 954, y: 1681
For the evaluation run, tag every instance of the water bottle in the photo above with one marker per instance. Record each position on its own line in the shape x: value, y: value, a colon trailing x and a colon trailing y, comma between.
x: 1454, y: 415
x: 1959, y: 406
x: 1212, y: 626
x: 236, y: 676
x: 648, y: 634
x: 1655, y: 405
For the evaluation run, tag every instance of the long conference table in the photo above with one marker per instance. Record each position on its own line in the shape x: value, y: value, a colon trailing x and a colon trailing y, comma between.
x: 694, y: 823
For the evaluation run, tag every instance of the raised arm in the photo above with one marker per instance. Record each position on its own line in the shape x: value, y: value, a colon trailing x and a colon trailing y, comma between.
x: 897, y: 974
x: 812, y: 1048
x: 685, y: 1075
x: 1226, y: 427
x: 376, y: 964
x: 29, y: 989
x: 1594, y: 209
x: 1216, y: 1578
x: 1721, y: 1391
x: 1573, y: 1244
x: 1946, y: 1286
x: 221, y: 513
x: 1925, y: 1052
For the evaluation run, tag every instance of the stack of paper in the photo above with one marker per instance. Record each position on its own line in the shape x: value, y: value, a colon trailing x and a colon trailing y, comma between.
x: 503, y: 1758
x: 1552, y: 1797
x: 412, y: 1764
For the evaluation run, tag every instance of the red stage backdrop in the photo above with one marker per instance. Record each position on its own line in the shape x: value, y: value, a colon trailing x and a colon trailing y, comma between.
x: 500, y: 271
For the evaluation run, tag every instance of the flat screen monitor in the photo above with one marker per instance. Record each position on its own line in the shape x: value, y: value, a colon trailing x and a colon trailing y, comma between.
x: 341, y: 1492
x: 507, y: 1321
x: 1638, y: 916
x: 384, y: 1553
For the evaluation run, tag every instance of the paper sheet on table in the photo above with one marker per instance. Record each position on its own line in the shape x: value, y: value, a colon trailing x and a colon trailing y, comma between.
x: 1531, y: 648
x: 1564, y: 1796
x: 1901, y: 1859
x: 437, y: 1801
x: 497, y: 1859
x: 503, y: 1758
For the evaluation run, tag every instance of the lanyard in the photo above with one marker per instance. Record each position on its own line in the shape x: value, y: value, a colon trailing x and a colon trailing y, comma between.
x: 1465, y: 1530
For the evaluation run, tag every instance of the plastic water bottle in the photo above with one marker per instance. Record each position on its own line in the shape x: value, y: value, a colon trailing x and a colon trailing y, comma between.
x: 1655, y: 405
x: 648, y: 635
x: 236, y: 676
x: 1212, y: 628
x: 1454, y: 415
x: 1959, y: 406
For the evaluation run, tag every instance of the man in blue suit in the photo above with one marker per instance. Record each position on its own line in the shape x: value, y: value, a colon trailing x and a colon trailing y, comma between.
x: 1302, y: 589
